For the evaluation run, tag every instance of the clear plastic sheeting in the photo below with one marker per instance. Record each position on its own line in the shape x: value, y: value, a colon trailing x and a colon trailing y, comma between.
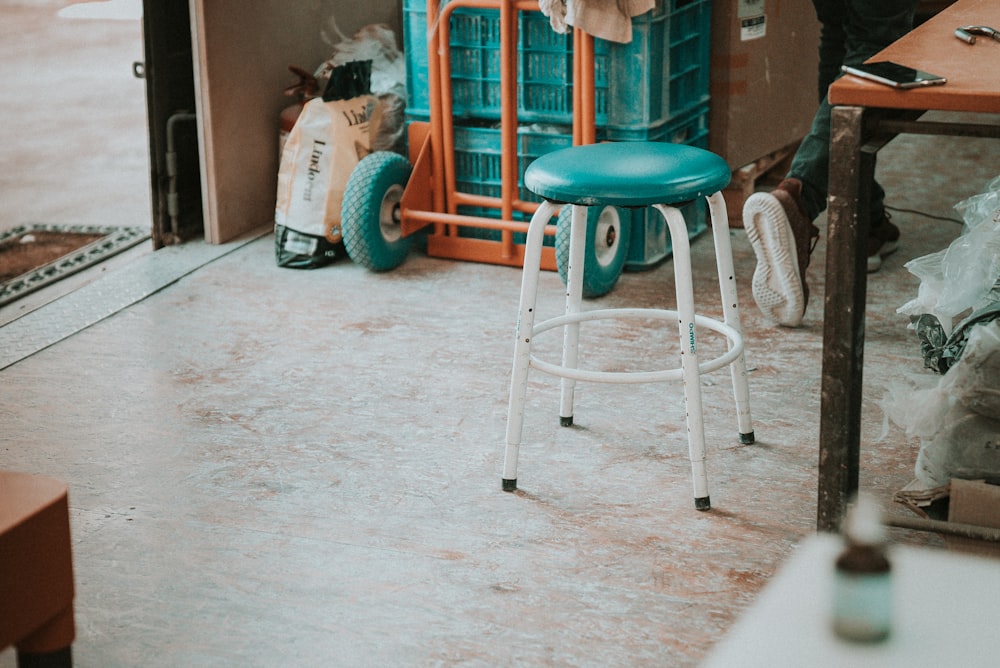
x: 956, y: 418
x: 956, y: 316
x: 963, y: 277
x: 975, y: 382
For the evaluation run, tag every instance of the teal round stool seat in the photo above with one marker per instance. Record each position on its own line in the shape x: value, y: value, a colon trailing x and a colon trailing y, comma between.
x: 627, y: 174
x: 631, y: 175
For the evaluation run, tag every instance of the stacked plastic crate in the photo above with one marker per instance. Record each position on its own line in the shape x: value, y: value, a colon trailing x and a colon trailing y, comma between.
x: 653, y: 88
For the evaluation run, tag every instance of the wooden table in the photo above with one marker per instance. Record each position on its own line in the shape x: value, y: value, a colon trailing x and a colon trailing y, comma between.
x: 865, y: 117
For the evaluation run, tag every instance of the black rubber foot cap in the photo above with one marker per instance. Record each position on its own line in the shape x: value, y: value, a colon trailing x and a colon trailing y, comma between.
x: 566, y: 421
x: 702, y: 503
x: 509, y: 485
x: 747, y: 439
x: 61, y: 658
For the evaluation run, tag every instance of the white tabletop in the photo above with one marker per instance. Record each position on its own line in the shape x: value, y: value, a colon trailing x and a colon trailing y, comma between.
x: 946, y: 608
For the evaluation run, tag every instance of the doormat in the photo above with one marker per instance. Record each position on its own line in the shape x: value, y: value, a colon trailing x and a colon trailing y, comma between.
x: 36, y: 255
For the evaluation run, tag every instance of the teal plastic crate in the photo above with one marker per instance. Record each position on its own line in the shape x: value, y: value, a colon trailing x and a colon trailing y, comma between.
x: 690, y: 127
x: 544, y: 65
x: 650, y: 242
x: 477, y: 168
x: 663, y: 73
x: 639, y: 86
x: 477, y: 156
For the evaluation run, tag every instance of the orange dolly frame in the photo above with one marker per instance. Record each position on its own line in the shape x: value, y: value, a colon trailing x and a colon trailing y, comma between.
x: 406, y: 202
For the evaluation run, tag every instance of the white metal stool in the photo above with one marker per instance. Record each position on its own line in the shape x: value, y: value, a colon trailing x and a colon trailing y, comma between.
x: 629, y: 174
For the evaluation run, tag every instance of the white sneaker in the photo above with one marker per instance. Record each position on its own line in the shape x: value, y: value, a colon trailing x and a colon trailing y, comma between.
x: 782, y: 238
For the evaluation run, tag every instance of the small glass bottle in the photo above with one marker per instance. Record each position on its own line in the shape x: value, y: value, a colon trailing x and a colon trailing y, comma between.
x: 862, y: 601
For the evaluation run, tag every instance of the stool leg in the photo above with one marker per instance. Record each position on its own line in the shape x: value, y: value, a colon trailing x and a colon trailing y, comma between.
x: 523, y: 339
x: 574, y: 297
x: 689, y: 352
x: 731, y: 309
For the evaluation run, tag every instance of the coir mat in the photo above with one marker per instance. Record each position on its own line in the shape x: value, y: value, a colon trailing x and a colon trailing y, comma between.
x: 36, y: 255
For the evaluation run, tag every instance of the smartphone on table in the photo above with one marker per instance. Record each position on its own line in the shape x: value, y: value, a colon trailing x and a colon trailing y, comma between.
x: 895, y: 75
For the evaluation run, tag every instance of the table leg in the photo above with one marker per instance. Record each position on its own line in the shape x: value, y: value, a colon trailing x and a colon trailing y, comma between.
x: 852, y: 166
x: 61, y: 658
x: 49, y: 646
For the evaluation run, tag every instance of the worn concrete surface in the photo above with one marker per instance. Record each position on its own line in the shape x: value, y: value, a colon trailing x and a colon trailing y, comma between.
x: 278, y: 467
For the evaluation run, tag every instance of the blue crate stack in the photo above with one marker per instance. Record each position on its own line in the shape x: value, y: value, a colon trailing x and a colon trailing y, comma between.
x: 653, y: 88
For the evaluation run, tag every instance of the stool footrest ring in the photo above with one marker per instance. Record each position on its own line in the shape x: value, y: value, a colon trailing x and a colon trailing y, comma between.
x: 735, y: 346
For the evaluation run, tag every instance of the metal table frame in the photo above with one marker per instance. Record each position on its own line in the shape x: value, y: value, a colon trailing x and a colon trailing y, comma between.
x: 866, y: 116
x: 857, y: 133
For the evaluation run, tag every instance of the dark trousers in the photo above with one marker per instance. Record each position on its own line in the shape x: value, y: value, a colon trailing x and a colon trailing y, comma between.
x: 852, y: 31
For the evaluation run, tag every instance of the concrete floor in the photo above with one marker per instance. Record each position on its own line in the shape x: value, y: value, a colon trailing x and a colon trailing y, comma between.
x: 278, y: 467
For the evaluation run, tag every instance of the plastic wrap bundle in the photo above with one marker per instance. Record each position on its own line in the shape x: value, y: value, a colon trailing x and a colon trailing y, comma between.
x: 956, y: 418
x: 961, y: 279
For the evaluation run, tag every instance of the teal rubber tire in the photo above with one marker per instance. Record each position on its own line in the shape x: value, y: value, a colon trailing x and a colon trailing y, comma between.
x: 370, y: 211
x: 609, y: 231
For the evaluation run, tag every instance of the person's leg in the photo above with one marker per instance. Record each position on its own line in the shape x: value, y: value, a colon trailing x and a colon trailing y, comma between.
x: 870, y: 28
x: 832, y: 15
x: 810, y: 163
x: 866, y: 28
x: 779, y: 224
x: 810, y: 172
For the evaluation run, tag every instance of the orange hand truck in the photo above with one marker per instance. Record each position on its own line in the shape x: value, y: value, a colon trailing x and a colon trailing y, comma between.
x: 389, y: 199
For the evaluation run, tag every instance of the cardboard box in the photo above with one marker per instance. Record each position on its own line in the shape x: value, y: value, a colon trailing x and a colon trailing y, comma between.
x: 765, y: 55
x: 978, y: 503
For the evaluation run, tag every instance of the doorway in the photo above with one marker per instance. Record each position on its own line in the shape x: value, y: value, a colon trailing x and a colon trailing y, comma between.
x: 74, y: 130
x: 76, y: 149
x: 168, y: 70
